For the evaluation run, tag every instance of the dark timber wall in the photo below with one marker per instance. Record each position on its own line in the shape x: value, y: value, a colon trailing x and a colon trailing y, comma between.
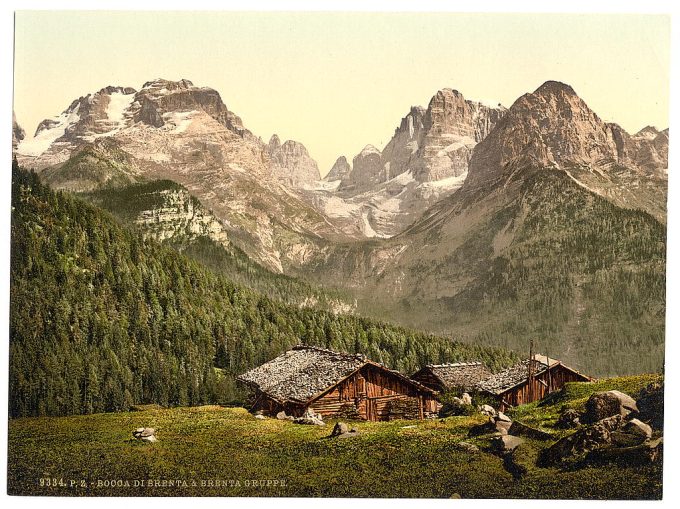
x: 550, y: 380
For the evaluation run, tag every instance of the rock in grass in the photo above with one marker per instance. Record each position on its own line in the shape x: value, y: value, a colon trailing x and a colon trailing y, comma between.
x: 145, y: 434
x: 506, y: 443
x: 637, y: 427
x: 487, y: 410
x: 582, y: 441
x: 569, y: 418
x: 340, y: 428
x: 607, y: 404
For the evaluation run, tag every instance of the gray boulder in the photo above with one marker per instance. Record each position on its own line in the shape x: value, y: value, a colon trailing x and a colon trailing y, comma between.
x: 502, y: 417
x: 310, y: 418
x: 466, y: 399
x: 503, y: 426
x: 487, y: 410
x: 606, y: 404
x: 340, y: 428
x: 637, y: 427
x: 506, y: 443
x: 145, y: 434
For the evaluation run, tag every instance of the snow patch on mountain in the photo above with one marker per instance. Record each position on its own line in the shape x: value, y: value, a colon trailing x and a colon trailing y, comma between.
x: 180, y: 119
x: 118, y: 105
x: 448, y: 183
x: 45, y: 137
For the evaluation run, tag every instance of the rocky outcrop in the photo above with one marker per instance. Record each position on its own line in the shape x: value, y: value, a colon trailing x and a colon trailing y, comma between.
x: 339, y: 171
x: 367, y: 170
x: 582, y: 441
x: 159, y: 98
x: 554, y: 128
x: 432, y: 143
x: 179, y: 216
x: 291, y: 163
x: 18, y: 133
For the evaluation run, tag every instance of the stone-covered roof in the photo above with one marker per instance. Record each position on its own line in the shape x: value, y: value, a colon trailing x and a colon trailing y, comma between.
x: 459, y: 374
x: 304, y: 372
x: 514, y: 375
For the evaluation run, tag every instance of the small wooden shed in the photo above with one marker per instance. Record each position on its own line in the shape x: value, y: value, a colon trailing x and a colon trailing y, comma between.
x: 336, y: 385
x: 528, y: 381
x: 459, y: 376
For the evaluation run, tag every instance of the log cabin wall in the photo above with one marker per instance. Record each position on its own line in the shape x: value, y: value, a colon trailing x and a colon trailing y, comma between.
x: 370, y: 393
x: 543, y: 384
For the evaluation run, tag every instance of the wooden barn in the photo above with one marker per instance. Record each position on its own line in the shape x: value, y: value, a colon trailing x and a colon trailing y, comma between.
x: 336, y: 385
x: 529, y: 380
x: 457, y: 377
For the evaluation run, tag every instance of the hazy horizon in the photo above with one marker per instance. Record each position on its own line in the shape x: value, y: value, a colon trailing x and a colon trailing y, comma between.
x: 339, y: 81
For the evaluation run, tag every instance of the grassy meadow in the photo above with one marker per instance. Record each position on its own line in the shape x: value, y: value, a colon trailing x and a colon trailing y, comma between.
x: 220, y: 451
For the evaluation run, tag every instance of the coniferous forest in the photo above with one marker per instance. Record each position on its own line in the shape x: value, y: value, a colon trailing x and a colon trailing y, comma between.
x: 102, y: 319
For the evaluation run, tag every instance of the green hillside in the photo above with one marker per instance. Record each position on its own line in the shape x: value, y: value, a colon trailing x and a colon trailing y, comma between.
x: 101, y: 319
x: 425, y: 459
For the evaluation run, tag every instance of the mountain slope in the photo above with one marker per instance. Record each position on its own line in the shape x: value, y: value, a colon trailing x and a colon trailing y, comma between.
x: 177, y: 131
x: 526, y: 250
x: 167, y: 212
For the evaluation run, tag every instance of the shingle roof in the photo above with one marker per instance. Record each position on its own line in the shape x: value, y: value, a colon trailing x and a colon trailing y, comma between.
x: 301, y: 373
x: 514, y: 375
x: 460, y: 374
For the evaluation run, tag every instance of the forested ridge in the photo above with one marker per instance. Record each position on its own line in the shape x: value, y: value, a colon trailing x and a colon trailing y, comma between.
x: 128, y: 202
x: 101, y: 319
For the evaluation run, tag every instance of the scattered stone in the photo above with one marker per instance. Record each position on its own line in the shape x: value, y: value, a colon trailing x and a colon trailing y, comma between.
x: 456, y: 496
x: 466, y: 399
x: 145, y: 434
x: 506, y: 443
x: 637, y: 427
x: 569, y: 418
x: 650, y: 404
x: 487, y: 410
x: 606, y: 404
x: 260, y: 416
x: 281, y: 416
x: 502, y: 417
x: 518, y: 429
x: 310, y: 418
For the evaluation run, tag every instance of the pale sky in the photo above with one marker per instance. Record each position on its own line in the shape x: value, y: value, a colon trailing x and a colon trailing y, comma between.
x: 339, y: 81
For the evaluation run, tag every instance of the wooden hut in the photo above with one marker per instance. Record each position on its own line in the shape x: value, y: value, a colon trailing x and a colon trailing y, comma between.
x: 529, y: 380
x: 336, y: 385
x: 459, y: 377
